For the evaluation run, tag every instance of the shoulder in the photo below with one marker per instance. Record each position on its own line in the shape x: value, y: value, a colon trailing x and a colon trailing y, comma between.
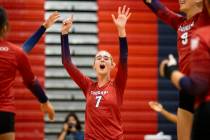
x: 9, y: 45
x: 15, y: 48
x: 204, y: 31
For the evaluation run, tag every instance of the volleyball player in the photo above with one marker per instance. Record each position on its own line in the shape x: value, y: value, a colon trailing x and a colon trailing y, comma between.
x: 105, y: 96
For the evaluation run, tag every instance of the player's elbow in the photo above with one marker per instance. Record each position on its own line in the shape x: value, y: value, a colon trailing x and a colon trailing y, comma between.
x: 66, y: 62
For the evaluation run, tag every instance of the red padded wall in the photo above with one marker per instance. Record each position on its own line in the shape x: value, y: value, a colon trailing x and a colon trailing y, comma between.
x: 142, y: 61
x: 25, y: 16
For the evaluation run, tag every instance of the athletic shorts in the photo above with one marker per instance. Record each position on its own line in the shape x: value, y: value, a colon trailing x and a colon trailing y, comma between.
x: 7, y: 122
x: 201, y: 123
x: 186, y: 101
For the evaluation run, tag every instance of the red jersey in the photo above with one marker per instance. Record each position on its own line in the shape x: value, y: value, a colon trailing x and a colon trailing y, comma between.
x: 12, y: 58
x: 184, y: 29
x: 200, y: 62
x: 102, y: 114
x: 184, y: 33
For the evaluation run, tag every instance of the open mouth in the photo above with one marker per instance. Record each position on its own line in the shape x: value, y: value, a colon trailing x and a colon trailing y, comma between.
x: 102, y: 66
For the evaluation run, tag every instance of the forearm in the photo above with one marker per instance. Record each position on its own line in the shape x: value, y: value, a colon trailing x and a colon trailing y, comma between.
x: 121, y: 76
x: 37, y: 91
x: 31, y: 42
x: 65, y: 51
x: 123, y: 50
x: 73, y: 71
x: 166, y: 15
x: 154, y: 5
x: 169, y: 116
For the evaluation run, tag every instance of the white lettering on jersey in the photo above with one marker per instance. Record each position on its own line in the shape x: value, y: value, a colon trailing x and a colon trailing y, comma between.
x: 4, y: 49
x: 186, y: 27
x: 99, y: 92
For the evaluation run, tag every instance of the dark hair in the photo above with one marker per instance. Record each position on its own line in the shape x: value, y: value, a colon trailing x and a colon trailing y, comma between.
x: 3, y: 21
x: 78, y: 124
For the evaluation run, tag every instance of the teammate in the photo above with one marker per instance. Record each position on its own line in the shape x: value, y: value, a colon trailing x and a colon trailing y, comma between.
x: 12, y: 58
x: 184, y: 25
x: 104, y: 97
x: 198, y: 81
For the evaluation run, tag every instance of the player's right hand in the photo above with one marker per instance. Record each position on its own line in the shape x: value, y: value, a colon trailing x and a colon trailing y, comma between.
x: 51, y: 19
x: 156, y: 106
x: 48, y: 108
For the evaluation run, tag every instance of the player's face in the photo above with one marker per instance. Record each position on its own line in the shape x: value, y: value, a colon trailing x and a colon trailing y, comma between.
x: 103, y: 63
x: 186, y: 5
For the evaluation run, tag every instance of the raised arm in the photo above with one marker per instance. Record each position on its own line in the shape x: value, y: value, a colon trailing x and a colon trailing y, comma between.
x: 31, y: 42
x: 81, y: 80
x: 33, y: 84
x: 167, y: 16
x: 120, y: 22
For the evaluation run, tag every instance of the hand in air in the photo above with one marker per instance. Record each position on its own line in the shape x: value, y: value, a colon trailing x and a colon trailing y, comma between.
x: 51, y: 20
x: 123, y: 15
x: 67, y: 24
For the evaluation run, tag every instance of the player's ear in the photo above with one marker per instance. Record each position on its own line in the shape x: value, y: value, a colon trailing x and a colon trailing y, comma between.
x: 113, y: 65
x: 4, y: 30
x: 93, y: 65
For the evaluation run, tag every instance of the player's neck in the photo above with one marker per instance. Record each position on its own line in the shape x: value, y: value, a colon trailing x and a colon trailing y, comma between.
x: 192, y: 12
x: 102, y: 80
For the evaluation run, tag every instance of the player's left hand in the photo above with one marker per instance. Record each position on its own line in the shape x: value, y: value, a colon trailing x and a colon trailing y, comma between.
x: 48, y: 108
x: 167, y: 66
x: 123, y: 15
x: 67, y: 24
x: 51, y: 20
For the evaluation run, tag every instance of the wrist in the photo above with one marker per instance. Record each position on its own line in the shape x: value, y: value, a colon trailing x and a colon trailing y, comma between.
x: 169, y: 70
x: 64, y: 131
x: 122, y: 32
x: 45, y: 25
x: 64, y: 33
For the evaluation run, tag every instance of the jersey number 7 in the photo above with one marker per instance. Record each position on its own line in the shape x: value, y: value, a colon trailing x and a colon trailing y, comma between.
x: 98, y: 99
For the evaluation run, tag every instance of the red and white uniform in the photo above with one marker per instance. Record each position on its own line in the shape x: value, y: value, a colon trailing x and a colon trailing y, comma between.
x: 102, y: 114
x: 200, y: 63
x: 12, y: 58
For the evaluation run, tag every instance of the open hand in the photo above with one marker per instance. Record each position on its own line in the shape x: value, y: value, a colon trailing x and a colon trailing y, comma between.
x: 51, y: 20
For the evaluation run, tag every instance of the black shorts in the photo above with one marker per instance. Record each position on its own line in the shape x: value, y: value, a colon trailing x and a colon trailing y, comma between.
x: 186, y: 101
x: 7, y: 122
x: 201, y: 123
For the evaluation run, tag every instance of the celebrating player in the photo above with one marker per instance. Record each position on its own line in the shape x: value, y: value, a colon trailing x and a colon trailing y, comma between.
x: 104, y: 97
x: 12, y: 58
x: 184, y: 25
x: 198, y: 81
